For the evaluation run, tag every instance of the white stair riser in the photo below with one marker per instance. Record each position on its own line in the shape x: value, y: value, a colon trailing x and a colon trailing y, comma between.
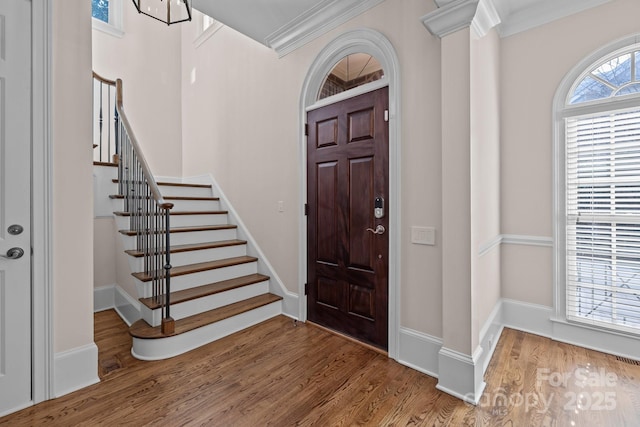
x: 172, y: 190
x: 195, y: 205
x: 188, y: 281
x: 210, y: 302
x: 193, y: 257
x: 189, y: 237
x: 172, y: 346
x: 123, y: 222
x: 198, y: 220
x: 178, y: 205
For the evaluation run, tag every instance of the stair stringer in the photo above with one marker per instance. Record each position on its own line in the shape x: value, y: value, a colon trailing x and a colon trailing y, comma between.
x: 290, y: 300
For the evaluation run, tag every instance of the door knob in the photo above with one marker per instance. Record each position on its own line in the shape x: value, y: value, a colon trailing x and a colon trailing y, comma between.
x: 13, y: 253
x: 379, y: 229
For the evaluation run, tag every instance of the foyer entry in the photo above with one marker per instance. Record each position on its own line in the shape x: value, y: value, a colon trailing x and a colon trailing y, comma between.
x: 347, y: 222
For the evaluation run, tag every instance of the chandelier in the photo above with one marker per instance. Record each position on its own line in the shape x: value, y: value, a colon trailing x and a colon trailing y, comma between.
x: 167, y: 11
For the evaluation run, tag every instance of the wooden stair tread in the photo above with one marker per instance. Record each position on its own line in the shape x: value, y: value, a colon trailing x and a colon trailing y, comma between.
x: 199, y: 267
x: 174, y: 184
x: 206, y: 290
x: 209, y: 199
x: 193, y: 247
x: 141, y: 329
x: 187, y: 229
x: 119, y: 213
x: 113, y: 165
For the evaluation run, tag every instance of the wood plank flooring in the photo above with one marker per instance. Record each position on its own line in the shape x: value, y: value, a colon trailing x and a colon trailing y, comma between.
x: 280, y: 373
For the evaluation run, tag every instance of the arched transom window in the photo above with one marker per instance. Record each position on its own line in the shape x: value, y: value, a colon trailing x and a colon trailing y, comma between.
x: 350, y: 72
x: 615, y: 76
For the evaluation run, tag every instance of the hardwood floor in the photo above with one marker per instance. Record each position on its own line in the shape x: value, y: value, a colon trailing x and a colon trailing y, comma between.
x: 282, y: 374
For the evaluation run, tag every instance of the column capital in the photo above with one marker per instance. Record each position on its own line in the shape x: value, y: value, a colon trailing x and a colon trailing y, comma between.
x: 454, y: 15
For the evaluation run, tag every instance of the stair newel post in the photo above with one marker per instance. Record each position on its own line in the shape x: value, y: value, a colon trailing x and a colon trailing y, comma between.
x: 168, y: 324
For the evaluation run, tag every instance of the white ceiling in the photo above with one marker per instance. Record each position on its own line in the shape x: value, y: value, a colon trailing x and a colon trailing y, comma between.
x: 279, y: 23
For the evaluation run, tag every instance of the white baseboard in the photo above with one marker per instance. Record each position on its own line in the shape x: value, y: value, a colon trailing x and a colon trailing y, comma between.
x: 538, y: 320
x: 114, y: 297
x: 75, y: 369
x: 103, y: 298
x: 461, y: 375
x: 126, y: 306
x: 419, y: 351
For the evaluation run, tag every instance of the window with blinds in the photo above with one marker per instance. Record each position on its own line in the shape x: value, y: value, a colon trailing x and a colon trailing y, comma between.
x: 603, y: 219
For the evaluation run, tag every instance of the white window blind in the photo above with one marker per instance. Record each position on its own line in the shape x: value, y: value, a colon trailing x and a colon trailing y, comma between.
x: 603, y: 219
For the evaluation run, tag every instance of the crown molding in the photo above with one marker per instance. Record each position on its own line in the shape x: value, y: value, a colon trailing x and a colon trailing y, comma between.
x: 316, y: 22
x: 542, y: 12
x: 486, y: 18
x: 450, y: 17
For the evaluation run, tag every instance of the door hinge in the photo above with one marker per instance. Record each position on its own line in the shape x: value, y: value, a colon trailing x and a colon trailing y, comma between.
x: 306, y: 209
x: 386, y: 115
x: 306, y: 289
x: 306, y: 129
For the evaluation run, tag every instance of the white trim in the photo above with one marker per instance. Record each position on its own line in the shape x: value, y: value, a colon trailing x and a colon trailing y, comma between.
x: 419, y: 351
x: 539, y: 320
x: 206, y: 34
x: 518, y: 239
x: 359, y: 90
x: 75, y: 369
x: 115, y: 25
x: 377, y: 45
x: 489, y: 245
x: 543, y: 12
x: 451, y: 17
x: 315, y: 22
x: 485, y: 19
x: 127, y: 307
x: 460, y: 375
x: 42, y: 197
x: 164, y: 348
x: 514, y: 239
x: 104, y: 298
x: 490, y: 335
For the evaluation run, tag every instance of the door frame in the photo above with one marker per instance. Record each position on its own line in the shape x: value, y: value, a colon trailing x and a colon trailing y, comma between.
x: 374, y: 43
x: 41, y: 201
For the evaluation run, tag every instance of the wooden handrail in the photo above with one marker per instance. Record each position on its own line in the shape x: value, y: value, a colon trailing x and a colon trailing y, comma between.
x: 153, y: 185
x: 103, y: 80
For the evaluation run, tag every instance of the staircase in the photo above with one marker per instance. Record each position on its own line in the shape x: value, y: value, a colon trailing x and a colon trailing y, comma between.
x: 195, y: 281
x: 216, y: 289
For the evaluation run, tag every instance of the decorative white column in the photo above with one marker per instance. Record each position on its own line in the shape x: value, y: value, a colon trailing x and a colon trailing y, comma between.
x: 459, y: 370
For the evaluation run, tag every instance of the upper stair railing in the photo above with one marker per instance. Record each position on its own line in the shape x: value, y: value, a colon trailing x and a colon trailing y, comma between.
x: 105, y: 137
x: 148, y: 211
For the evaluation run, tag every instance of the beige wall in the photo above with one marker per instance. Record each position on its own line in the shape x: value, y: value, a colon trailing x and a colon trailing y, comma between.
x: 241, y: 111
x: 72, y: 176
x: 533, y: 65
x: 147, y: 59
x: 104, y: 252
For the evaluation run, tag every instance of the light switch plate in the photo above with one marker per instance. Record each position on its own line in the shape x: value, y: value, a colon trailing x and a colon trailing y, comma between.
x: 423, y: 235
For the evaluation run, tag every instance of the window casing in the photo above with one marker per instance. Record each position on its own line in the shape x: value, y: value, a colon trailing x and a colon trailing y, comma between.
x: 598, y: 179
x: 107, y: 16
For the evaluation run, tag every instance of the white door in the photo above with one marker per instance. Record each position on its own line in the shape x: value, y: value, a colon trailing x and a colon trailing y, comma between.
x: 15, y: 211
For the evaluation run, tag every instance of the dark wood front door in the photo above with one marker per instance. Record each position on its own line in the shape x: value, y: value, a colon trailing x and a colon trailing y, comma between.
x: 348, y: 168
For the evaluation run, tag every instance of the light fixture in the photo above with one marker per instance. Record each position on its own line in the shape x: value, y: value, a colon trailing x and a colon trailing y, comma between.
x: 167, y: 11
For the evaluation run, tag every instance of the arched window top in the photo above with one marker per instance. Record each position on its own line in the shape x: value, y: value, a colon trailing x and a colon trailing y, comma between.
x: 353, y: 70
x: 615, y: 75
